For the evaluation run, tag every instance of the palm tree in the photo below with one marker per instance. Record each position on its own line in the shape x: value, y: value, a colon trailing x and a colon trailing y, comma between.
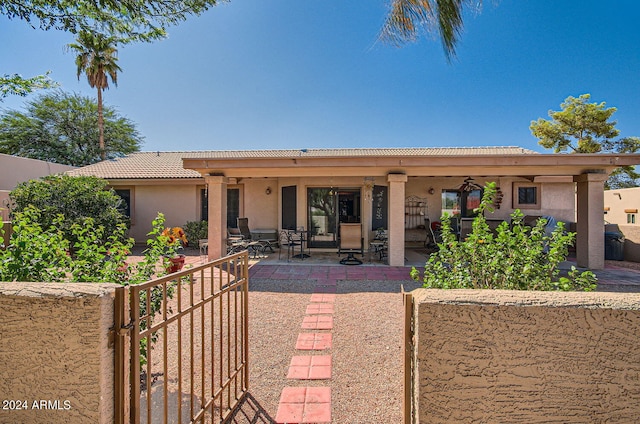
x: 407, y: 17
x: 97, y: 58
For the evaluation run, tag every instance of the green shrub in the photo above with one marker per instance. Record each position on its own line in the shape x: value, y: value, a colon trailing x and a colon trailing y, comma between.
x: 196, y: 230
x: 75, y: 198
x: 516, y: 257
x: 40, y: 254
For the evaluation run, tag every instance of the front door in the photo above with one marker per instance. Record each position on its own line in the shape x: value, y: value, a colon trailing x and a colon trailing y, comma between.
x: 328, y: 206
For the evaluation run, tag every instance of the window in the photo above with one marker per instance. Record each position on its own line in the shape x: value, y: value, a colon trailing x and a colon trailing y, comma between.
x: 631, y: 218
x: 204, y: 205
x: 526, y: 196
x: 289, y: 202
x: 450, y: 202
x: 125, y: 206
x: 460, y: 204
x: 233, y: 206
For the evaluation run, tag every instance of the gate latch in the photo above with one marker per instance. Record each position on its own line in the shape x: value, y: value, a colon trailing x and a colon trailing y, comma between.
x: 121, y: 332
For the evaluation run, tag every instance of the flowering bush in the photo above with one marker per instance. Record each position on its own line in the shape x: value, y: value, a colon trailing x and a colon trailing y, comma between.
x: 516, y: 257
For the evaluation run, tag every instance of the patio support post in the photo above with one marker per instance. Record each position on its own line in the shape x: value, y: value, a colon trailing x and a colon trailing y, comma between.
x: 590, y: 225
x: 217, y: 225
x: 396, y: 218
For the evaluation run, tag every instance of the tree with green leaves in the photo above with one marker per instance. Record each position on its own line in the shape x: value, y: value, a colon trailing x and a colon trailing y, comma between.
x: 584, y: 127
x: 142, y: 20
x: 98, y: 59
x: 19, y: 86
x: 73, y: 198
x: 62, y: 128
x: 128, y: 21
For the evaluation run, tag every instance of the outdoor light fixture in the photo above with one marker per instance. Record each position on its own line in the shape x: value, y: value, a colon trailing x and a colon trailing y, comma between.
x: 431, y: 190
x: 268, y: 191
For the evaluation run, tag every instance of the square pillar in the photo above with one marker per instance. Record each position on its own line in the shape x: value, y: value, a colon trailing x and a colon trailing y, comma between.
x: 590, y: 225
x: 396, y: 218
x: 217, y: 219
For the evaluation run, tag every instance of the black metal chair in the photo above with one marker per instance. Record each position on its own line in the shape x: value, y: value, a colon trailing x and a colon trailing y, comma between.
x: 287, y: 242
x: 243, y: 228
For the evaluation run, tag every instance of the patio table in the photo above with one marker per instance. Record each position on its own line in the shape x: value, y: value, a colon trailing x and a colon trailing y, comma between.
x: 302, y: 236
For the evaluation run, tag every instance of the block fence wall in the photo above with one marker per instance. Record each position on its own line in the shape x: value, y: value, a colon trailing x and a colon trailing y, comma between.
x: 55, y: 362
x: 523, y: 357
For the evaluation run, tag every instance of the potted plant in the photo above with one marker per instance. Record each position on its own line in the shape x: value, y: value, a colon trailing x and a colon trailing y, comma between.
x: 175, y: 240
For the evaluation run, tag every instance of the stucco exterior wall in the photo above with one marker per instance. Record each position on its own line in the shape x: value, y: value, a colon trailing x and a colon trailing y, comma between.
x: 14, y: 170
x: 178, y: 203
x: 54, y: 353
x: 261, y: 208
x: 523, y: 357
x: 557, y: 198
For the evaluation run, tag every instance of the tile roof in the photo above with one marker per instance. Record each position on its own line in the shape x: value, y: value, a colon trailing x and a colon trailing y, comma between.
x: 168, y: 165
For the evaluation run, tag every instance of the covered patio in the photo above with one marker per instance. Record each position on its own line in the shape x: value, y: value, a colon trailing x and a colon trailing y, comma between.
x: 280, y: 189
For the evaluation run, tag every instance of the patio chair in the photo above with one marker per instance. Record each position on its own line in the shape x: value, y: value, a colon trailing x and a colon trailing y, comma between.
x: 287, y: 242
x: 203, y: 244
x: 351, y: 242
x: 234, y: 234
x: 243, y: 227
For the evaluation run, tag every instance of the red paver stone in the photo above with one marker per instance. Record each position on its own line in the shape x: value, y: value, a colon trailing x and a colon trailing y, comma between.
x: 325, y: 289
x: 319, y: 308
x: 323, y: 298
x: 317, y: 322
x: 310, y: 367
x: 314, y: 341
x: 304, y: 405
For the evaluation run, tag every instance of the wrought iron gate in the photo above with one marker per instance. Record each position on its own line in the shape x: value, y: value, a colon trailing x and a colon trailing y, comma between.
x: 181, y: 344
x: 408, y: 411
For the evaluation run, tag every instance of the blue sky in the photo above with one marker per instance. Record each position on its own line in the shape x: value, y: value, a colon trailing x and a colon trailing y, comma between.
x: 270, y: 74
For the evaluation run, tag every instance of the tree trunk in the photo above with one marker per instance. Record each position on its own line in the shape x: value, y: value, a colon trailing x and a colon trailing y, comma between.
x: 103, y: 154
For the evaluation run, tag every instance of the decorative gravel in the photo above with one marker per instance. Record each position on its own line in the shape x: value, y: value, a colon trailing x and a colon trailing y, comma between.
x: 366, y: 385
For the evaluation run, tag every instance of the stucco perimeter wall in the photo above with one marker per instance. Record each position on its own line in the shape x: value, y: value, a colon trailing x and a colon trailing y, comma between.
x: 54, y: 354
x: 525, y: 357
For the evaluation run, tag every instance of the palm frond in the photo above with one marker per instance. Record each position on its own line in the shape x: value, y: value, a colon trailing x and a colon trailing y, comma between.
x: 407, y: 19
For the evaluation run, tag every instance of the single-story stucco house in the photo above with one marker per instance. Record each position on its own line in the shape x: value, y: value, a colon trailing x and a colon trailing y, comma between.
x: 622, y: 207
x: 392, y: 188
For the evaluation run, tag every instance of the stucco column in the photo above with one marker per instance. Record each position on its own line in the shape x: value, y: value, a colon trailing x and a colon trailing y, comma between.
x: 590, y: 225
x: 396, y: 218
x: 217, y: 225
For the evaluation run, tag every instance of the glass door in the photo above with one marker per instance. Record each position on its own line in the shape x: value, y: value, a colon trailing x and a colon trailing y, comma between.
x: 321, y: 204
x: 328, y: 206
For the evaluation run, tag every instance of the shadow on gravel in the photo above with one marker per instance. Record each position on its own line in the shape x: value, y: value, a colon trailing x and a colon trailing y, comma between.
x: 250, y: 411
x: 341, y: 287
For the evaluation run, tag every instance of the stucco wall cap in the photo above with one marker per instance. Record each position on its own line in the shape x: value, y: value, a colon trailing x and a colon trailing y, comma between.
x: 57, y: 290
x: 588, y: 300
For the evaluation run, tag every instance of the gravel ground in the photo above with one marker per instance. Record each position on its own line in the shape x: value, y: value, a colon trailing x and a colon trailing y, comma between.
x: 367, y: 349
x: 624, y: 264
